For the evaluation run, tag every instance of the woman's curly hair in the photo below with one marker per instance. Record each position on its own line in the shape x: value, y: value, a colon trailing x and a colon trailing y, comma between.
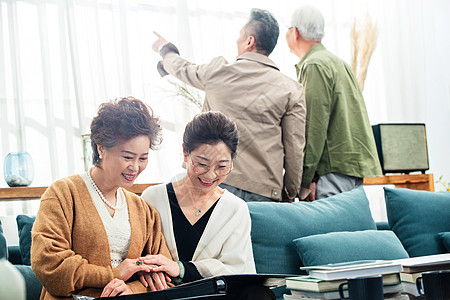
x: 121, y: 120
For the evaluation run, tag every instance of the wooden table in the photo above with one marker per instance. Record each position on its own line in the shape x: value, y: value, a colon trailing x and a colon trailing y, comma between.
x: 423, y: 182
x: 26, y: 193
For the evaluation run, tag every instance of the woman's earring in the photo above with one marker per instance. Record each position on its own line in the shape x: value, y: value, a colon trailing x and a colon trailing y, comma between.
x: 100, y: 156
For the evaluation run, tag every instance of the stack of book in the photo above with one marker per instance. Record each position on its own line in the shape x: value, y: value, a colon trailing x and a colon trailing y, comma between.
x: 323, y: 281
x: 413, y: 268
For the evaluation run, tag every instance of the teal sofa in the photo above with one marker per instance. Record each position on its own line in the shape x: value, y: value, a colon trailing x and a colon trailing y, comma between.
x: 19, y: 255
x: 286, y: 236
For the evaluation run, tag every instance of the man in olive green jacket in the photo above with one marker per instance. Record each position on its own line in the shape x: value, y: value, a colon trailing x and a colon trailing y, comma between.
x: 268, y: 107
x: 340, y: 147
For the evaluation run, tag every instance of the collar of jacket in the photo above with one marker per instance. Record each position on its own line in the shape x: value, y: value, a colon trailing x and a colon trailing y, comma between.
x: 313, y: 49
x: 260, y: 58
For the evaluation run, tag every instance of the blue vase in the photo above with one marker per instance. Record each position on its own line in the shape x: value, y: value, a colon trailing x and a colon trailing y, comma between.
x: 18, y: 169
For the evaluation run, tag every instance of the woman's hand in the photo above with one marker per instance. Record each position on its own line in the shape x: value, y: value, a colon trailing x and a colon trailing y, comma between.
x: 160, y: 263
x: 156, y: 281
x: 129, y: 266
x: 116, y: 287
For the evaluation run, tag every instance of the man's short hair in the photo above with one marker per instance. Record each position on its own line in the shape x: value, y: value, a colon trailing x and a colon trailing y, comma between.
x: 264, y: 27
x: 309, y: 22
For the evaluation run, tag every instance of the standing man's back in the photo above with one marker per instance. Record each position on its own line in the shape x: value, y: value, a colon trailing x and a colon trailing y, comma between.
x: 340, y: 147
x: 268, y: 108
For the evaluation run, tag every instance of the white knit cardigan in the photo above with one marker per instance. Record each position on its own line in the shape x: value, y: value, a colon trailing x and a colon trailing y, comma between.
x: 225, y: 246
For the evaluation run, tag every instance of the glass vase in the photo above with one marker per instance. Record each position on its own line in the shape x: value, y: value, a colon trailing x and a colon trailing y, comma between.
x: 87, y: 151
x: 18, y: 169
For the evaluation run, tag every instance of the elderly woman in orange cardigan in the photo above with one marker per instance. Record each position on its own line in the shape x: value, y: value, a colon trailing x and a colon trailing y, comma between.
x: 90, y: 231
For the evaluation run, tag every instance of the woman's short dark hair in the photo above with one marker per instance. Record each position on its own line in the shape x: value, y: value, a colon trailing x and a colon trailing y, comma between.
x: 121, y: 120
x: 211, y: 128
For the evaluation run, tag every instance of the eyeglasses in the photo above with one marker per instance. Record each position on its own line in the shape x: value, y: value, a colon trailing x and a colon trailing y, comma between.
x: 220, y: 170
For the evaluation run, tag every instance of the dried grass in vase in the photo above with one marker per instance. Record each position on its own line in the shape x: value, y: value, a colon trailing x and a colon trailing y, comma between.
x: 364, y: 41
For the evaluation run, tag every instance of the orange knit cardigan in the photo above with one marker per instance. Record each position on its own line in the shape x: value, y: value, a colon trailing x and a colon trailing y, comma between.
x: 70, y: 251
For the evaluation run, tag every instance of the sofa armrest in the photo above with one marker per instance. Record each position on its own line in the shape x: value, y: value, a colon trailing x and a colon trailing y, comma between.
x: 14, y: 255
x: 383, y: 226
x: 32, y: 283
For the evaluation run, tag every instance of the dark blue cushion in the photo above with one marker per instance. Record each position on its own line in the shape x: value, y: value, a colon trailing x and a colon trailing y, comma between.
x: 24, y: 225
x: 336, y: 247
x: 417, y: 217
x: 14, y: 255
x: 276, y: 225
x: 3, y: 245
x: 445, y: 238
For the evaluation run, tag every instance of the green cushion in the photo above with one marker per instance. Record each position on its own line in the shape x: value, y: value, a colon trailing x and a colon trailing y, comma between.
x: 24, y: 225
x: 445, y: 238
x: 417, y: 217
x: 275, y: 225
x: 336, y: 247
x: 3, y: 244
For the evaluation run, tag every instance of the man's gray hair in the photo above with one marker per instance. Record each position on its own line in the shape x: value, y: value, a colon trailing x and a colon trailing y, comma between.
x: 309, y: 22
x: 264, y: 27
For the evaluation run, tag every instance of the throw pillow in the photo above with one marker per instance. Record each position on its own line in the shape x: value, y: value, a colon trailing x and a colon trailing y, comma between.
x: 275, y: 225
x: 417, y: 217
x: 445, y: 238
x: 336, y: 247
x: 3, y: 244
x: 24, y: 225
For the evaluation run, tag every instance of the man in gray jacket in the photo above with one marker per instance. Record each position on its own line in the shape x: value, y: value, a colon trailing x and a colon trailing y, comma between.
x: 268, y: 107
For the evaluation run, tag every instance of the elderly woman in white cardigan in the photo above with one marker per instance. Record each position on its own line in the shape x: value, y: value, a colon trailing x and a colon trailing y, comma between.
x: 207, y: 228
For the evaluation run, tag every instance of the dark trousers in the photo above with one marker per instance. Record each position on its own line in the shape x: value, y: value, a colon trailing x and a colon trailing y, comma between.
x: 245, y: 195
x: 334, y: 183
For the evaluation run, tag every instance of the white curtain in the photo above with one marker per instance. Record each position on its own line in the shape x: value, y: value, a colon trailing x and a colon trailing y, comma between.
x: 59, y: 59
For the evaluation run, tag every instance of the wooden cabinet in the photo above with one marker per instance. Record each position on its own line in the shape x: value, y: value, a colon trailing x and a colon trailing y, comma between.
x: 411, y: 181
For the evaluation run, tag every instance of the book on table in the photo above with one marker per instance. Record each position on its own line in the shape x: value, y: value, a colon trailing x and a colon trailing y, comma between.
x: 415, y: 266
x: 395, y: 296
x: 410, y: 288
x: 308, y: 283
x: 409, y: 282
x: 410, y: 277
x: 387, y: 291
x: 425, y: 263
x: 353, y: 269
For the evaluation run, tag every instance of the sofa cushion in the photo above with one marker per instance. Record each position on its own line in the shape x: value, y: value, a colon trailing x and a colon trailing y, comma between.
x: 336, y: 247
x: 445, y: 238
x: 24, y: 225
x: 417, y: 217
x: 14, y: 256
x: 275, y: 225
x: 3, y: 244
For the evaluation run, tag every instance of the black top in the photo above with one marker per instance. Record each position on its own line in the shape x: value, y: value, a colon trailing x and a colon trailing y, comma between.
x: 187, y: 235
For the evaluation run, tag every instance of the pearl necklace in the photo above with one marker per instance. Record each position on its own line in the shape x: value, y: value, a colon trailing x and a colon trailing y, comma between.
x: 102, y: 196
